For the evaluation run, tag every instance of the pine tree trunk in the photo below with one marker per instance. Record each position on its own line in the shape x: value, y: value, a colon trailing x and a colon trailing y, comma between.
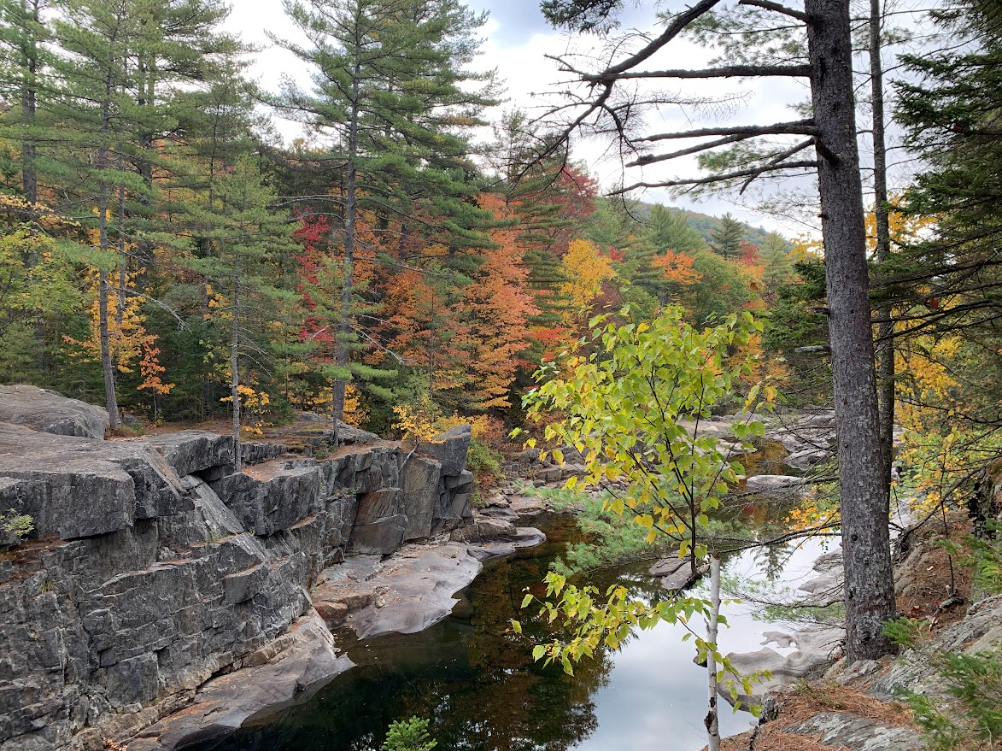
x: 869, y: 586
x: 122, y: 258
x: 712, y: 716
x: 29, y: 61
x: 347, y: 291
x: 235, y: 374
x: 107, y: 362
x: 885, y: 329
x: 107, y: 366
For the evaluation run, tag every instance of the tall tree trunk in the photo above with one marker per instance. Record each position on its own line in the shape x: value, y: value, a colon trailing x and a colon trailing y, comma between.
x: 712, y: 621
x: 885, y: 328
x: 122, y: 258
x: 869, y: 585
x: 107, y: 366
x: 29, y: 98
x: 347, y: 290
x: 107, y: 362
x: 235, y: 372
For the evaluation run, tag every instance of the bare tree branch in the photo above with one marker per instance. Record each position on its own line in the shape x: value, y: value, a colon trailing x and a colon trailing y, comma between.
x: 777, y: 160
x: 776, y: 7
x: 731, y: 71
x: 799, y: 127
x: 756, y: 172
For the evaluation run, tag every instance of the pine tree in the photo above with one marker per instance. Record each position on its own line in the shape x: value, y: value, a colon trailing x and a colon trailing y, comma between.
x: 665, y: 231
x: 726, y: 238
x: 246, y: 237
x: 93, y: 101
x: 778, y: 263
x: 23, y: 37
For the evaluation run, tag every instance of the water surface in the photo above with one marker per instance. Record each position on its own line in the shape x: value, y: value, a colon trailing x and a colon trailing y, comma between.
x: 476, y: 680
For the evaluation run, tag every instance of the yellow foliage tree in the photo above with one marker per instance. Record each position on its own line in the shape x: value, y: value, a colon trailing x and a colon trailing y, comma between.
x: 586, y: 269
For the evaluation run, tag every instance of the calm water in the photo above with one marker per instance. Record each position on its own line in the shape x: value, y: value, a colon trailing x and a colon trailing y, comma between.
x: 476, y: 680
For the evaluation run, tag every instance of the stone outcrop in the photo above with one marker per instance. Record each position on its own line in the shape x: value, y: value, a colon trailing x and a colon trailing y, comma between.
x: 49, y: 412
x: 157, y: 576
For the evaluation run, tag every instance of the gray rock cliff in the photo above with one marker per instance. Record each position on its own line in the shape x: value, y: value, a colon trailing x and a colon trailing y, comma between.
x: 155, y: 571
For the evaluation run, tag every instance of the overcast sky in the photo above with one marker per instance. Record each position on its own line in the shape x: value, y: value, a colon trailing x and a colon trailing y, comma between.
x: 516, y: 40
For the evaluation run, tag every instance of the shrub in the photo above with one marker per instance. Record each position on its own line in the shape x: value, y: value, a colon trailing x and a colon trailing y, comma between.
x: 14, y: 527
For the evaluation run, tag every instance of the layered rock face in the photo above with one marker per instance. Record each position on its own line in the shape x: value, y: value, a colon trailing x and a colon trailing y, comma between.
x: 154, y: 566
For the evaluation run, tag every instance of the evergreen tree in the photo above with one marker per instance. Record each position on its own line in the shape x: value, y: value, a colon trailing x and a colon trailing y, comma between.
x: 246, y: 238
x: 93, y: 101
x: 778, y: 264
x: 665, y: 230
x: 950, y: 277
x: 726, y: 238
x: 23, y: 37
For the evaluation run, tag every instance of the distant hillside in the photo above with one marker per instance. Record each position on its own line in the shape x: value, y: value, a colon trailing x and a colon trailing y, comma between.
x: 705, y: 224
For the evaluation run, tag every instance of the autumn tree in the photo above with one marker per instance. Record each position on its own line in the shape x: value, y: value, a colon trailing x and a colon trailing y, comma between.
x: 498, y: 308
x: 586, y: 269
x: 627, y: 407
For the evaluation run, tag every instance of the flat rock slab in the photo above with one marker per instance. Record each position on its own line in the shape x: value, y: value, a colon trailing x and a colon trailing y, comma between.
x: 415, y: 588
x: 525, y: 537
x: 775, y: 484
x: 857, y: 733
x: 309, y: 661
x: 81, y: 487
x: 528, y: 505
x: 191, y: 451
x: 50, y: 412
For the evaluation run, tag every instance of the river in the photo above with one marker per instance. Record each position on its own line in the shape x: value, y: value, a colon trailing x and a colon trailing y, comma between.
x: 475, y: 678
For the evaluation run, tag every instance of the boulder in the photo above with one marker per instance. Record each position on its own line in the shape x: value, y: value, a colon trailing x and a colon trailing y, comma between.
x: 525, y: 537
x: 667, y: 566
x: 774, y: 484
x: 50, y: 412
x: 483, y: 528
x: 804, y: 460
